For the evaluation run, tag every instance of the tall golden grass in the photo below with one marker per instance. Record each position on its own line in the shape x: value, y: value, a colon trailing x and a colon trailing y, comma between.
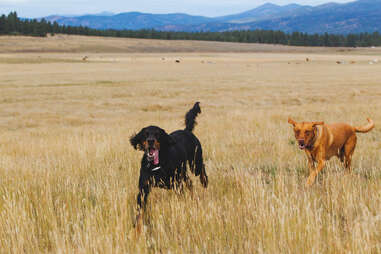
x: 68, y: 176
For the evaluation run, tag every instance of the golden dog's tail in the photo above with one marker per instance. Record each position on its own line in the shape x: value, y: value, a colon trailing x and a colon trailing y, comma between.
x: 366, y: 128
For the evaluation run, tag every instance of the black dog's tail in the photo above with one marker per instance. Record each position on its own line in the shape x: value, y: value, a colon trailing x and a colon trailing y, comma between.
x: 190, y: 117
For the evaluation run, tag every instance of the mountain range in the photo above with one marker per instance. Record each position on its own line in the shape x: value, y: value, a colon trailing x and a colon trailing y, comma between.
x: 353, y: 17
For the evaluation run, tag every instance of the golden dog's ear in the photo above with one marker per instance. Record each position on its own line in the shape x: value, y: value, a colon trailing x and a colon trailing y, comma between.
x: 290, y: 121
x: 317, y: 123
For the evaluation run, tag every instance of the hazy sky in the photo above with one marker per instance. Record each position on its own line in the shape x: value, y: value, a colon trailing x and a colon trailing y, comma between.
x: 38, y: 8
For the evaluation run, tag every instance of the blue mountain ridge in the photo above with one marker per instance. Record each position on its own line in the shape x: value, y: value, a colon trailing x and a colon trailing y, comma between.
x: 353, y: 17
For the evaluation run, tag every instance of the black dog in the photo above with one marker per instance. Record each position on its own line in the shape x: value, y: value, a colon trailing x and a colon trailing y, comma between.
x: 164, y: 163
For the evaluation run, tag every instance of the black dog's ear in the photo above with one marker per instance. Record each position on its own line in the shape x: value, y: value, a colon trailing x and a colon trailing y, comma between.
x: 166, y: 139
x: 137, y: 140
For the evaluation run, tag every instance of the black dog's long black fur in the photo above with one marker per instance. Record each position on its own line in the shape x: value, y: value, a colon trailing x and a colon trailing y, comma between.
x: 176, y: 150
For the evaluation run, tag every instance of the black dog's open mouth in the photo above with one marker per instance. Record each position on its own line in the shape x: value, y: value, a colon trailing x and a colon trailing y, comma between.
x: 153, y: 155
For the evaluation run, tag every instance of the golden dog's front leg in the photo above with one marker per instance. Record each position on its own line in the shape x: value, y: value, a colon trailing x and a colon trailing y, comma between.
x: 314, y: 173
x: 311, y: 164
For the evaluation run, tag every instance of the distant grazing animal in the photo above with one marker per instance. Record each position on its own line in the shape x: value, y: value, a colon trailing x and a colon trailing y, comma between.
x: 164, y: 163
x: 322, y: 141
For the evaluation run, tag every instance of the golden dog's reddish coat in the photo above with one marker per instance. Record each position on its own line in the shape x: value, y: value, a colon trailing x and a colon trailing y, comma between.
x: 322, y: 141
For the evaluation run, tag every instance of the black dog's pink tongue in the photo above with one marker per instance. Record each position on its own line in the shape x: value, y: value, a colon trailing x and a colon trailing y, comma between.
x: 156, y: 157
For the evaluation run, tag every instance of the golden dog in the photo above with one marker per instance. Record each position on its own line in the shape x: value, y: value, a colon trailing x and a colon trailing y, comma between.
x: 322, y: 141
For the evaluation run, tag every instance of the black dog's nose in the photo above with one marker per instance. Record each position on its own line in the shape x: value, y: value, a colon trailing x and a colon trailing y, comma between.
x: 151, y: 142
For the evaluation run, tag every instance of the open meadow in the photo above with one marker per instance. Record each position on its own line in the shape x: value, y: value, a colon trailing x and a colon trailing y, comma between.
x: 69, y: 177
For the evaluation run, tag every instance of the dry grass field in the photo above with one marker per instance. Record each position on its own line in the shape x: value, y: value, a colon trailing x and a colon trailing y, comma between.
x: 68, y: 175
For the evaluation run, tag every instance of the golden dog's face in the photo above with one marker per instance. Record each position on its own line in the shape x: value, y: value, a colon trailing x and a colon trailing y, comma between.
x: 304, y: 132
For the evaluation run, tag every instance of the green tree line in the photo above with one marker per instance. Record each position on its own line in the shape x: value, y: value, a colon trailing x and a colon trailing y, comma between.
x: 11, y: 24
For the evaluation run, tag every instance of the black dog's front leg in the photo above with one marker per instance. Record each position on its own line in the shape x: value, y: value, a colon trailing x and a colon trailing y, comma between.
x: 144, y: 189
x: 143, y: 193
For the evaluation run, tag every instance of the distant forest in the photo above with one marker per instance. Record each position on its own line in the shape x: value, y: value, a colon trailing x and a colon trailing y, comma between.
x: 13, y: 25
